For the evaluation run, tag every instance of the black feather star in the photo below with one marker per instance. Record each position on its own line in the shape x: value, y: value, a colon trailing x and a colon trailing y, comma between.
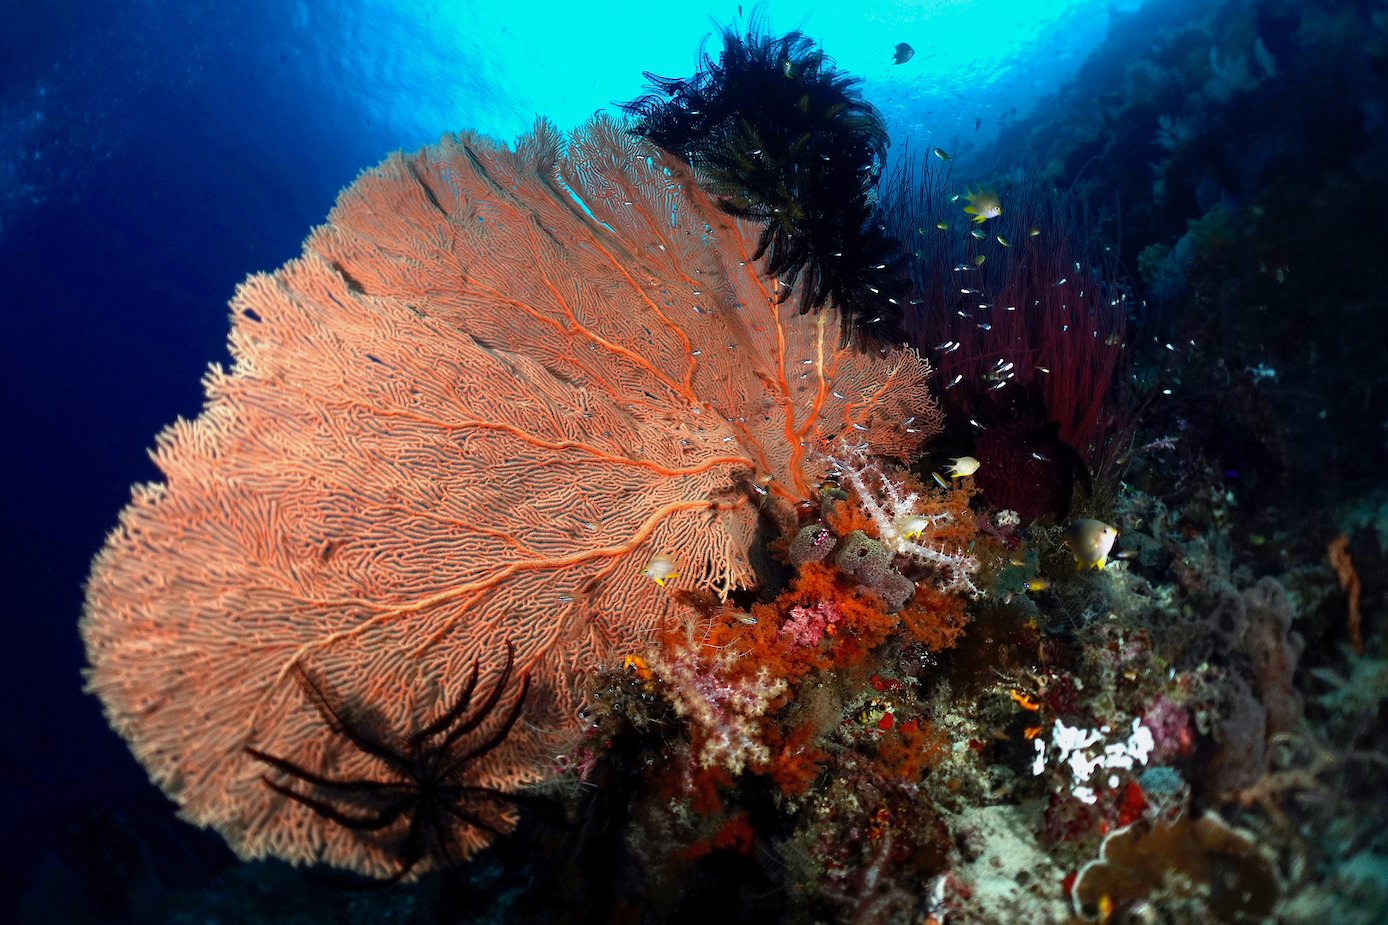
x: 783, y: 138
x: 427, y: 781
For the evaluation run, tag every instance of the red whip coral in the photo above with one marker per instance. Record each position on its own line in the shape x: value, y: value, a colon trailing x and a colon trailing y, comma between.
x: 495, y: 386
x: 1026, y: 308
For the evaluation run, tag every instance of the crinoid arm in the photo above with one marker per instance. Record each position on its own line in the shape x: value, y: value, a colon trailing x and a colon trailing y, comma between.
x: 427, y: 774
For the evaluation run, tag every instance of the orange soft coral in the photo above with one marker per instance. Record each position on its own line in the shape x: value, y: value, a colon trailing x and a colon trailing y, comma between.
x: 733, y: 674
x: 934, y: 619
x: 909, y: 748
x: 797, y: 761
x: 843, y: 517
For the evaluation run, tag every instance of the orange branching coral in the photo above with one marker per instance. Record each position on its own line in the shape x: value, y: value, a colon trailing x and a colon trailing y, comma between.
x: 735, y: 833
x: 934, y: 618
x: 497, y: 386
x: 864, y: 623
x: 911, y: 747
x: 843, y: 517
x: 798, y: 759
x: 766, y: 644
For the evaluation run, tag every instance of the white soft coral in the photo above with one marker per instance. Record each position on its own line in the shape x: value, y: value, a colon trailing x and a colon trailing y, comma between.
x: 908, y: 524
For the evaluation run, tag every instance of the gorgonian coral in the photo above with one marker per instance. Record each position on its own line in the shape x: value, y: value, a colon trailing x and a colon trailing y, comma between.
x: 495, y: 387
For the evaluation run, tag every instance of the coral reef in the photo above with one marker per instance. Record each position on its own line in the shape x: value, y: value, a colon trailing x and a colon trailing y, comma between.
x: 496, y: 387
x: 811, y: 700
x: 786, y: 664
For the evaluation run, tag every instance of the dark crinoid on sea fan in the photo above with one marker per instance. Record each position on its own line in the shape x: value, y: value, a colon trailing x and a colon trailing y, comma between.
x: 782, y: 137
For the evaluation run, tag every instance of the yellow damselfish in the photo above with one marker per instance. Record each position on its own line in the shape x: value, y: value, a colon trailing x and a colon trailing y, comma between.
x: 983, y: 205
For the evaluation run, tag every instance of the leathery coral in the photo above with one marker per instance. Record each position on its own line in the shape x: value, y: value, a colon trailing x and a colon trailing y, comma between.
x: 1199, y: 857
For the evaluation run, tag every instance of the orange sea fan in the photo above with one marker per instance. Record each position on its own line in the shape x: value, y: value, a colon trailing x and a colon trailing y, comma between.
x: 495, y: 385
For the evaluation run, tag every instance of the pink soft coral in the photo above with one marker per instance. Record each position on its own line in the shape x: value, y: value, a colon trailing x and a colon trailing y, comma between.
x: 807, y: 625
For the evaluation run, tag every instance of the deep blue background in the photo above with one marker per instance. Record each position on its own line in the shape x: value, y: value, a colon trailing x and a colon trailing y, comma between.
x: 139, y: 200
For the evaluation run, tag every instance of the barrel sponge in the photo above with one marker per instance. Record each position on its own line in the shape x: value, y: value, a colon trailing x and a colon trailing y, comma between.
x: 813, y: 543
x: 870, y: 563
x: 864, y: 558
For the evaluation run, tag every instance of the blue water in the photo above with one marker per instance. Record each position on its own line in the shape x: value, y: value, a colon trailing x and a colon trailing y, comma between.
x: 154, y: 153
x: 313, y: 92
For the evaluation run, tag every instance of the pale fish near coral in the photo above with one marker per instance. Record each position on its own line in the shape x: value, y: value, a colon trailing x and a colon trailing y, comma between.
x: 962, y: 466
x: 1090, y: 542
x: 661, y: 568
x: 983, y: 205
